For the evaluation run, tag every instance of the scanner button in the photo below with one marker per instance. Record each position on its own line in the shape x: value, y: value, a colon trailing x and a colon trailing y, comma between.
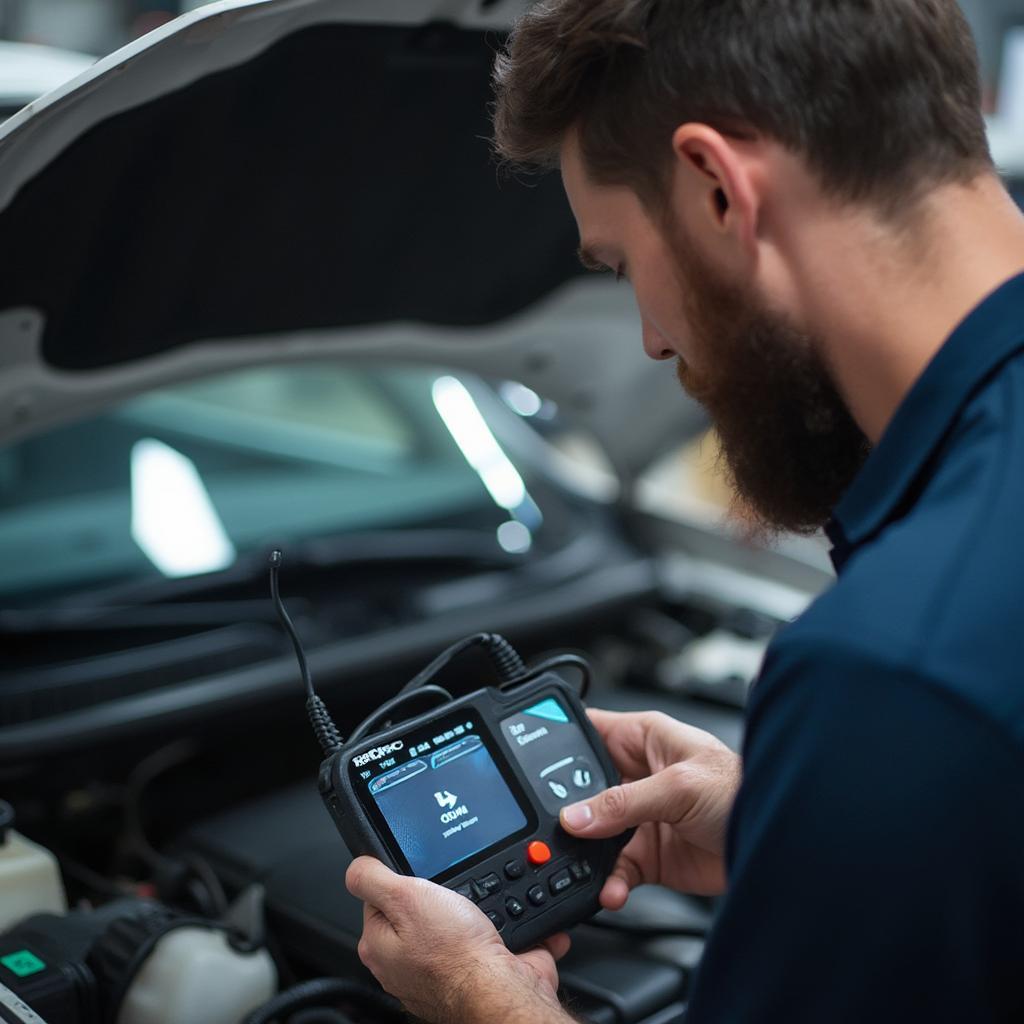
x: 537, y: 896
x: 580, y: 870
x: 514, y: 869
x: 467, y: 891
x: 513, y: 907
x: 560, y: 882
x: 538, y: 852
x: 496, y: 919
x: 489, y: 883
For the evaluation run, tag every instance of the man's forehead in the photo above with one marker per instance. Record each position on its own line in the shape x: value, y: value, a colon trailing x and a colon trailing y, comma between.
x: 588, y: 202
x: 570, y: 160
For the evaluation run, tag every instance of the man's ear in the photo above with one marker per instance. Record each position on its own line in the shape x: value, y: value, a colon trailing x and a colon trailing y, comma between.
x: 722, y: 173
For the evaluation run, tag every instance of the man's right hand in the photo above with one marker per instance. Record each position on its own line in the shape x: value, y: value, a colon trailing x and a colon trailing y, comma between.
x: 678, y: 787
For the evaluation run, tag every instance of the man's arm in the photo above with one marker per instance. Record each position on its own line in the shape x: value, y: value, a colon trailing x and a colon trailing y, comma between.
x: 876, y: 865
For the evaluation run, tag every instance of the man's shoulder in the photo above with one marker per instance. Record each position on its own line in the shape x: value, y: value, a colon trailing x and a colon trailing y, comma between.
x: 880, y: 815
x: 938, y: 595
x: 858, y: 651
x: 956, y: 551
x: 826, y: 705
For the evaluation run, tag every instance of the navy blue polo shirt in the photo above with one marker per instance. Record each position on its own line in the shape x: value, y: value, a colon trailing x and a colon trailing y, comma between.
x: 876, y: 849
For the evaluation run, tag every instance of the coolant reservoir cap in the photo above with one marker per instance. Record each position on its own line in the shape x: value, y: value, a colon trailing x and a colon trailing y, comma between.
x: 6, y: 820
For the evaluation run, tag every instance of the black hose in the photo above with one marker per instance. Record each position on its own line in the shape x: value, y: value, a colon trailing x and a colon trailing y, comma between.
x: 320, y: 991
x: 142, y: 775
x: 208, y: 879
x: 319, y: 1015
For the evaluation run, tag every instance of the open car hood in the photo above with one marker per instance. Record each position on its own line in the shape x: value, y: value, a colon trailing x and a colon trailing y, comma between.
x: 268, y: 180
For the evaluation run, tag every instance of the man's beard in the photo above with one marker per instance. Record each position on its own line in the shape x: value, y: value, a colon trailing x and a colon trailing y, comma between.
x: 789, y: 442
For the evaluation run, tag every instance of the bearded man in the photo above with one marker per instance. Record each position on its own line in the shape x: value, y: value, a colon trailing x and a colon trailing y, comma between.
x: 801, y: 195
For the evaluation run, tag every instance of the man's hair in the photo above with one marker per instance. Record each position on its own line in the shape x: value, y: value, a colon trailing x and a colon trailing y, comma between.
x: 882, y: 98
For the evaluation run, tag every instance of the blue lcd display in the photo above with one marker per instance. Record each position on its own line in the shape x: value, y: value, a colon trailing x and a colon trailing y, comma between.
x: 447, y: 805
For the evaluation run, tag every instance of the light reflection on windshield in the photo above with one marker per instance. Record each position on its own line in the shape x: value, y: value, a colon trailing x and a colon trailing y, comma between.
x: 173, y: 519
x: 196, y: 477
x: 471, y: 433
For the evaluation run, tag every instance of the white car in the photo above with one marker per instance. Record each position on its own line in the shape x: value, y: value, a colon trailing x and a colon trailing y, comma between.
x: 264, y: 285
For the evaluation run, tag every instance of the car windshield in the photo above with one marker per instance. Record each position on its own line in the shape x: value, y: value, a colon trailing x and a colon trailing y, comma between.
x: 186, y: 480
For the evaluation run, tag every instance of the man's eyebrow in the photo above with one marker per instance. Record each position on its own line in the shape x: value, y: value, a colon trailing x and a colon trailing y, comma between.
x: 590, y: 261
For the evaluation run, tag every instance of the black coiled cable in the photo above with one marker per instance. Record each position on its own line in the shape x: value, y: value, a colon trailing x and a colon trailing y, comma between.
x: 370, y: 723
x: 506, y: 659
x: 507, y: 663
x: 510, y: 668
x: 555, y: 662
x: 324, y: 729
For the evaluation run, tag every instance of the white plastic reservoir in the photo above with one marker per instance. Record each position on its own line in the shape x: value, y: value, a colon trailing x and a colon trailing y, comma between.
x: 30, y: 881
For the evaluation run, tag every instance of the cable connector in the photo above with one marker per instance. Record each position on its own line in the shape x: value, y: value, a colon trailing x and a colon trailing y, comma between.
x: 504, y: 656
x: 324, y: 729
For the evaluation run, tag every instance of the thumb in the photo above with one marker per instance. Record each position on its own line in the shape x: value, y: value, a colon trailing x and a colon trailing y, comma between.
x: 664, y: 796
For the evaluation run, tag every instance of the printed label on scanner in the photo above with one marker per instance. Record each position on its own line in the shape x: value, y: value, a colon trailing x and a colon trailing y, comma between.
x: 554, y: 753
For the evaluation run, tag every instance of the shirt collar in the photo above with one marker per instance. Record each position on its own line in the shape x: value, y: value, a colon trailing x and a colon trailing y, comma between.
x: 989, y: 335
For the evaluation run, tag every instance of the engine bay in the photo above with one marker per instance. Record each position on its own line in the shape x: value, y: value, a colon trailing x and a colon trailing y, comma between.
x: 215, y: 829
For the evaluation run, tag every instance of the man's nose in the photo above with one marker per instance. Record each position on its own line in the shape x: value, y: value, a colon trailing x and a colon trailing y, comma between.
x: 654, y: 344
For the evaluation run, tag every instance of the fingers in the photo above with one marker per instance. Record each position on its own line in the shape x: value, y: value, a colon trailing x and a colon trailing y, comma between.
x: 378, y: 943
x: 625, y: 876
x: 601, y: 720
x: 666, y: 796
x: 614, y: 894
x: 641, y: 740
x: 373, y: 882
x: 624, y: 736
x: 557, y: 945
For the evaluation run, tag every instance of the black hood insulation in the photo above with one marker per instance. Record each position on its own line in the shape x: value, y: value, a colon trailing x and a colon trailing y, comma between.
x: 344, y: 177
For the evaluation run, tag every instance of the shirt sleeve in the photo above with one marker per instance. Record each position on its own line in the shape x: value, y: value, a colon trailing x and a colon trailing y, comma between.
x: 876, y: 854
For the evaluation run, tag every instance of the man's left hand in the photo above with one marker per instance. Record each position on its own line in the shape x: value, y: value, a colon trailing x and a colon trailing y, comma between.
x: 442, y: 958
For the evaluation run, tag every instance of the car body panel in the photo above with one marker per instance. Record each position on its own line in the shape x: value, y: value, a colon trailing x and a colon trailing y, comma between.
x: 28, y: 71
x: 138, y: 268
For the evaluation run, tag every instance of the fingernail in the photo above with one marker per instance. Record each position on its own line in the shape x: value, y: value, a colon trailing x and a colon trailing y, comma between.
x: 578, y: 816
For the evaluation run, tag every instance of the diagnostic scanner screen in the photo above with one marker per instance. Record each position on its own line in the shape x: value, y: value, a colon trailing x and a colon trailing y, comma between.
x: 444, y: 799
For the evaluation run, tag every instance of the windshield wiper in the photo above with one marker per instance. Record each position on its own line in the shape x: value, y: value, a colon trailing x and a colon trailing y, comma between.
x: 180, y: 602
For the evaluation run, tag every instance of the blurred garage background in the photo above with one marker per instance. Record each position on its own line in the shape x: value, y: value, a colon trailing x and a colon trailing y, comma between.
x: 692, y: 653
x: 100, y: 26
x: 688, y: 481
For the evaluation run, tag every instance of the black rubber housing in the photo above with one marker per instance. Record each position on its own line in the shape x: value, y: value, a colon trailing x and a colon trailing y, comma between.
x: 579, y: 902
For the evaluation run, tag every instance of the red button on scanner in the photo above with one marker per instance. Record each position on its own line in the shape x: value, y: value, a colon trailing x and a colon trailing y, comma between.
x: 538, y: 852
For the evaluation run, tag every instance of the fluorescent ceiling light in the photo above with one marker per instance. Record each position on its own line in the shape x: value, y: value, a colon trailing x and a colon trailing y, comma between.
x: 468, y: 428
x: 173, y: 519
